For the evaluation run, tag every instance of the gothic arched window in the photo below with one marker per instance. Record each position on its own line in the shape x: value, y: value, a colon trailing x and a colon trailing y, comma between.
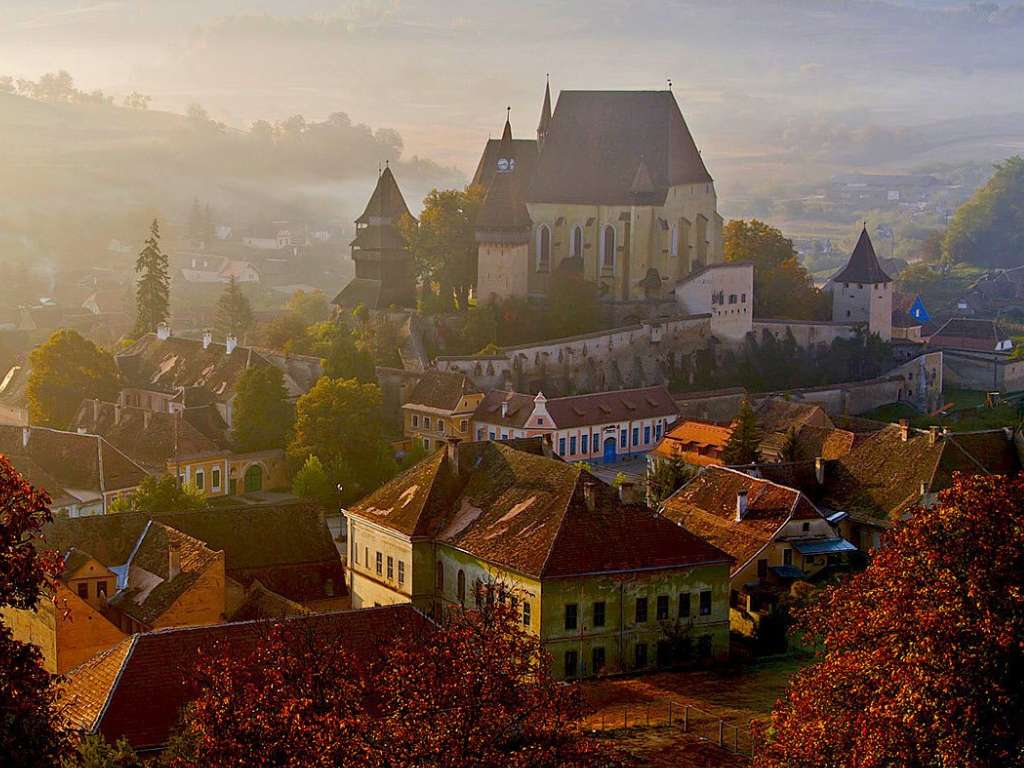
x: 577, y: 243
x: 543, y: 248
x: 675, y: 242
x: 608, y: 248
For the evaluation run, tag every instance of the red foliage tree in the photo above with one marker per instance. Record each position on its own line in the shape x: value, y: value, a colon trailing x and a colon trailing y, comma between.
x: 30, y: 722
x: 476, y: 692
x: 922, y: 659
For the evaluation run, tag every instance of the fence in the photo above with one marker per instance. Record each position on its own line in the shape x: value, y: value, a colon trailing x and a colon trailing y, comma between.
x: 699, y: 723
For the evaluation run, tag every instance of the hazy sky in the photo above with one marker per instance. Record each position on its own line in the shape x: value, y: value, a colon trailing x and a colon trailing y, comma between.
x: 441, y: 73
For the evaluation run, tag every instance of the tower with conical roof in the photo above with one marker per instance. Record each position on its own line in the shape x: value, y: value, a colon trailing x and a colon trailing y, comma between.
x: 384, y: 266
x: 862, y: 291
x: 503, y: 229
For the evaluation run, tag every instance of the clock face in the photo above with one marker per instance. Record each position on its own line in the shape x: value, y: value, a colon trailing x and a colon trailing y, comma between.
x: 503, y: 165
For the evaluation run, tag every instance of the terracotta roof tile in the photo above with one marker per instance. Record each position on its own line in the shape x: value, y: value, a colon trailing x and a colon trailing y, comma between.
x: 695, y: 442
x: 442, y: 389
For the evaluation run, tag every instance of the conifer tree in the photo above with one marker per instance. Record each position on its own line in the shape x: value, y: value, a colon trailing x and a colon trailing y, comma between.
x: 153, y: 285
x: 744, y: 442
x: 234, y: 314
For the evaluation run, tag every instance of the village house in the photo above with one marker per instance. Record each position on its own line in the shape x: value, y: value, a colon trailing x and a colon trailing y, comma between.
x: 136, y: 689
x: 166, y: 373
x: 84, y: 474
x: 606, y: 584
x: 191, y: 444
x: 613, y: 188
x: 605, y: 427
x: 774, y: 534
x: 969, y: 333
x: 696, y: 443
x: 440, y: 406
x: 134, y: 572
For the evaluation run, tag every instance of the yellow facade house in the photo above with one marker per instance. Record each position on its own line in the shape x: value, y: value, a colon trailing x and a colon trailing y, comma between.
x: 607, y: 585
x: 440, y: 406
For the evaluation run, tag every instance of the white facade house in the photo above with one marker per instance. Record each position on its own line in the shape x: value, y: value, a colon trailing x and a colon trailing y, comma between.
x: 601, y: 428
x: 724, y: 291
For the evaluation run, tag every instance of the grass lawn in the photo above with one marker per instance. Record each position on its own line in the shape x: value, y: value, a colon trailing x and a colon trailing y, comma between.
x: 968, y: 412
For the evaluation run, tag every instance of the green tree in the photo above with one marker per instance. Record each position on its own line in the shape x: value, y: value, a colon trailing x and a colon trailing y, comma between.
x: 745, y: 440
x: 66, y: 370
x: 782, y: 287
x: 988, y: 230
x: 340, y: 422
x: 312, y: 483
x: 286, y: 332
x: 157, y: 495
x: 234, y: 314
x: 667, y: 477
x: 262, y: 414
x: 95, y: 752
x: 573, y: 305
x: 153, y: 285
x: 443, y: 244
x: 311, y: 307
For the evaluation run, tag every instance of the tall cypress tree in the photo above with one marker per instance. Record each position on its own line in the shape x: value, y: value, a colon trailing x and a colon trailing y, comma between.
x: 153, y: 285
x: 234, y: 314
x: 744, y: 443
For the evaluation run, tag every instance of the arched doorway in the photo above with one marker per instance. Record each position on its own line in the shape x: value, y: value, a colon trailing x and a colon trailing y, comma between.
x: 253, y: 478
x: 610, y: 448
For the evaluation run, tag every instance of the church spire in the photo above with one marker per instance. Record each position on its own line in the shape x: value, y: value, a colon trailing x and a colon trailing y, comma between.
x: 506, y: 135
x: 545, y: 112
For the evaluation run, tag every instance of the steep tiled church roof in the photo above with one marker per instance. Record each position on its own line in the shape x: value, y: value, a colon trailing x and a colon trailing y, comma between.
x: 503, y: 207
x: 386, y: 200
x: 597, y: 139
x: 863, y: 266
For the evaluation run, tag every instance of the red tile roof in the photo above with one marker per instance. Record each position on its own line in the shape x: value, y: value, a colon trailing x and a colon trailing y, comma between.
x: 695, y: 442
x: 136, y: 689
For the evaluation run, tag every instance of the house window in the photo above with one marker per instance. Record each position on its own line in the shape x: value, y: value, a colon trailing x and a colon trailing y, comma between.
x: 762, y: 568
x: 380, y: 564
x: 481, y: 434
x: 366, y: 556
x: 743, y: 298
x: 101, y: 588
x: 462, y: 587
x: 391, y: 568
x: 415, y: 420
x: 597, y: 659
x: 608, y: 248
x: 647, y: 435
x: 599, y: 614
x: 732, y: 298
x: 215, y: 479
x: 572, y: 445
x: 526, y: 613
x: 640, y: 655
x: 561, y: 446
x: 440, y: 576
x: 641, y: 610
x: 543, y: 248
x: 200, y: 479
x: 577, y: 242
x: 253, y: 479
x: 684, y: 605
x: 675, y: 242
x: 787, y: 556
x: 83, y: 590
x: 705, y: 602
x: 662, y: 608
x: 570, y: 615
x: 622, y: 439
x: 585, y: 443
x: 401, y: 572
x: 426, y: 422
x: 657, y: 431
x: 571, y: 663
x: 464, y: 426
x: 636, y: 436
x: 805, y: 527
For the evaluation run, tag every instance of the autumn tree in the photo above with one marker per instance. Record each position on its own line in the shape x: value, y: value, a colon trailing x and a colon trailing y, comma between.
x: 743, y: 446
x: 988, y: 230
x: 782, y: 287
x: 66, y: 370
x: 262, y: 414
x: 311, y: 307
x: 153, y: 285
x: 31, y: 727
x: 475, y: 692
x: 443, y: 244
x: 340, y: 421
x: 234, y: 314
x: 157, y: 495
x: 921, y: 659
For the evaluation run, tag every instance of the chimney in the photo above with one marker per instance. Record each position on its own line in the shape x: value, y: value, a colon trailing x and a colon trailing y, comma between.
x: 628, y: 493
x: 26, y: 433
x: 96, y: 412
x: 145, y: 419
x: 741, y: 505
x: 504, y: 408
x: 117, y: 414
x: 230, y: 343
x: 163, y: 331
x: 207, y: 338
x: 83, y: 431
x: 819, y: 470
x: 452, y: 452
x: 173, y: 561
x: 590, y: 492
x: 923, y: 489
x: 933, y: 435
x: 904, y: 430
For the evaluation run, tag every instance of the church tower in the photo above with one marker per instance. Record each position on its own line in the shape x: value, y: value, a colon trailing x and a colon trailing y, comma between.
x: 503, y: 230
x: 545, y: 116
x: 862, y: 292
x: 384, y: 266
